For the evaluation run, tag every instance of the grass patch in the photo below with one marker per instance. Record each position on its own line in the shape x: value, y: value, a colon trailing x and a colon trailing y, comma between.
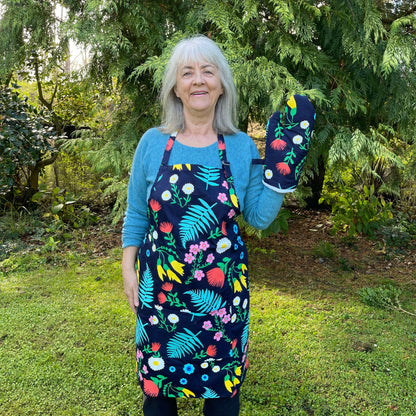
x: 67, y: 345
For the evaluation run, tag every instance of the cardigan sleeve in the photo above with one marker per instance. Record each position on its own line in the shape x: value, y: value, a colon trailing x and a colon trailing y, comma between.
x: 260, y: 205
x: 135, y: 220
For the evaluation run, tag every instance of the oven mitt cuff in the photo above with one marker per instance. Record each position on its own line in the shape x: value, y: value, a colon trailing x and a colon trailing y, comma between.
x: 287, y: 144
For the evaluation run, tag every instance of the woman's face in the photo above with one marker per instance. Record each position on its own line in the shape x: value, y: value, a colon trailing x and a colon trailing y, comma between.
x: 199, y: 86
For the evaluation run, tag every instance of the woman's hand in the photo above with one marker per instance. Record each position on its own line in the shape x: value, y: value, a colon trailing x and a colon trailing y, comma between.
x: 131, y: 286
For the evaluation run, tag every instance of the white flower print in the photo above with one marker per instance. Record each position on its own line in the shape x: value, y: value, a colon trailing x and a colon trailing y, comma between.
x: 268, y: 173
x: 298, y: 139
x: 166, y: 195
x: 174, y: 178
x: 245, y: 303
x: 156, y: 363
x: 233, y: 318
x: 155, y: 234
x: 223, y: 245
x: 173, y: 318
x: 204, y: 365
x: 188, y: 188
x: 216, y: 368
x: 236, y: 301
x: 304, y: 124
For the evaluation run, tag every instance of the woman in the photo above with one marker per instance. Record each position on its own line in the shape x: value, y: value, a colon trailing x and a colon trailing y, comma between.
x: 190, y: 179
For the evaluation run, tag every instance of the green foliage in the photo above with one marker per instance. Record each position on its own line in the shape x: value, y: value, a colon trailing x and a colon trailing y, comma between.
x: 63, y: 211
x: 279, y: 224
x: 384, y: 297
x: 324, y: 250
x: 358, y: 212
x: 25, y: 138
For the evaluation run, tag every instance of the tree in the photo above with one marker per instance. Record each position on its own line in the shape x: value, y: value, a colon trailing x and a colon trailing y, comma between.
x: 26, y: 146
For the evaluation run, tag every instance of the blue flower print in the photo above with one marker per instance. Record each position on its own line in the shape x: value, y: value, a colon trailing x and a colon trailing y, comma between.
x: 183, y: 381
x: 235, y: 228
x: 147, y: 253
x: 204, y: 377
x: 172, y: 369
x: 188, y: 368
x: 241, y: 255
x: 235, y: 246
x: 240, y: 241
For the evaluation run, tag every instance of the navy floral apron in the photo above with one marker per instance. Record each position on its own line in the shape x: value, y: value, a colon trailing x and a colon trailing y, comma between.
x: 193, y: 314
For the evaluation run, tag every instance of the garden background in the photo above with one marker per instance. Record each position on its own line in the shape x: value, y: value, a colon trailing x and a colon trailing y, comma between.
x: 79, y: 83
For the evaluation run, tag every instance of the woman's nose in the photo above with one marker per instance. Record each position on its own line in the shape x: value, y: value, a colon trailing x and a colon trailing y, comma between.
x: 199, y: 78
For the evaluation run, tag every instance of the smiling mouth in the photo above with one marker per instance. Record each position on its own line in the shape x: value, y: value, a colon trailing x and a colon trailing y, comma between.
x: 199, y: 93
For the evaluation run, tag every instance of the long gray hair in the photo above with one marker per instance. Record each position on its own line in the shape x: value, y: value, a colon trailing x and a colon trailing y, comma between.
x: 196, y: 49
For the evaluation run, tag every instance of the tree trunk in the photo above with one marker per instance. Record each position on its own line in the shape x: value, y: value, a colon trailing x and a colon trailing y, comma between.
x: 316, y: 184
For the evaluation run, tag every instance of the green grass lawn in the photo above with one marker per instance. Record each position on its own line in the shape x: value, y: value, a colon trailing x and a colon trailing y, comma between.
x: 67, y: 345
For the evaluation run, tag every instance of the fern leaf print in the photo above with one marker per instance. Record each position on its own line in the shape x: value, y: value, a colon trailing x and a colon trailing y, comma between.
x: 206, y: 300
x: 146, y: 289
x: 209, y: 176
x: 183, y: 343
x: 197, y: 220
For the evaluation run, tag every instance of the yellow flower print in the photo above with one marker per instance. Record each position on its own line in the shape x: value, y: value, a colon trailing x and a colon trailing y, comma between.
x: 228, y: 385
x: 292, y: 102
x: 243, y: 267
x: 160, y: 272
x: 236, y: 381
x: 188, y: 166
x: 188, y: 393
x: 172, y: 276
x: 238, y: 371
x: 243, y: 280
x: 233, y: 198
x: 237, y: 286
x: 177, y: 167
x: 176, y: 265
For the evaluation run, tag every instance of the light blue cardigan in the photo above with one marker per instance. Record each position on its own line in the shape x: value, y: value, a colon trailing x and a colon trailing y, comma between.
x: 258, y: 203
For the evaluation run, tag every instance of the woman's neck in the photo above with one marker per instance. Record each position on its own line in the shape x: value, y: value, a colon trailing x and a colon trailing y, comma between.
x: 197, y: 134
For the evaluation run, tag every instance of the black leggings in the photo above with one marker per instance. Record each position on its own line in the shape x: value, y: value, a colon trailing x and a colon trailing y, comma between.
x: 166, y: 406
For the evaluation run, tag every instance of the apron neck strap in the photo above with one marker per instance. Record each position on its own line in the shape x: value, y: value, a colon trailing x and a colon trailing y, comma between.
x: 221, y: 152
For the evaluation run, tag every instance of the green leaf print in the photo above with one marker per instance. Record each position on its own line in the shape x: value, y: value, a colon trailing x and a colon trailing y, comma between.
x: 197, y: 220
x: 208, y: 176
x: 146, y: 288
x: 206, y: 300
x: 183, y: 343
x: 141, y: 335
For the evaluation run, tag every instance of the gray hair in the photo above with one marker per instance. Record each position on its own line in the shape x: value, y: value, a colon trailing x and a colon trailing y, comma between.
x: 196, y: 49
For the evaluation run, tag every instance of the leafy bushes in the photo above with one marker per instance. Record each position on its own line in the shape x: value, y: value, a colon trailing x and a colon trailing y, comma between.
x: 358, y: 212
x: 25, y: 139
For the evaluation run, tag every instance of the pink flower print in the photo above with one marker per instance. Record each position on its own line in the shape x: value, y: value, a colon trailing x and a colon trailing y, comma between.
x: 199, y: 274
x: 222, y: 312
x: 218, y: 336
x: 226, y: 319
x: 189, y: 258
x: 222, y: 197
x: 139, y: 355
x: 207, y: 325
x: 231, y: 213
x: 194, y: 249
x: 140, y: 376
x: 154, y: 320
x: 203, y: 245
x: 225, y: 184
x: 145, y: 370
x: 210, y: 258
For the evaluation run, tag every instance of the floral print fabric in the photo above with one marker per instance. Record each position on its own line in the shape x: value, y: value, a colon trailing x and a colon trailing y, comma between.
x: 193, y: 317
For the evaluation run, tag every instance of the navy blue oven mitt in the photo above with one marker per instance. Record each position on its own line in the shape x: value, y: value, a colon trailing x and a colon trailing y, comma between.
x: 287, y: 144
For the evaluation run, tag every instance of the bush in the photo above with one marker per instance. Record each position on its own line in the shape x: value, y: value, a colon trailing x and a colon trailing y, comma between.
x: 358, y: 211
